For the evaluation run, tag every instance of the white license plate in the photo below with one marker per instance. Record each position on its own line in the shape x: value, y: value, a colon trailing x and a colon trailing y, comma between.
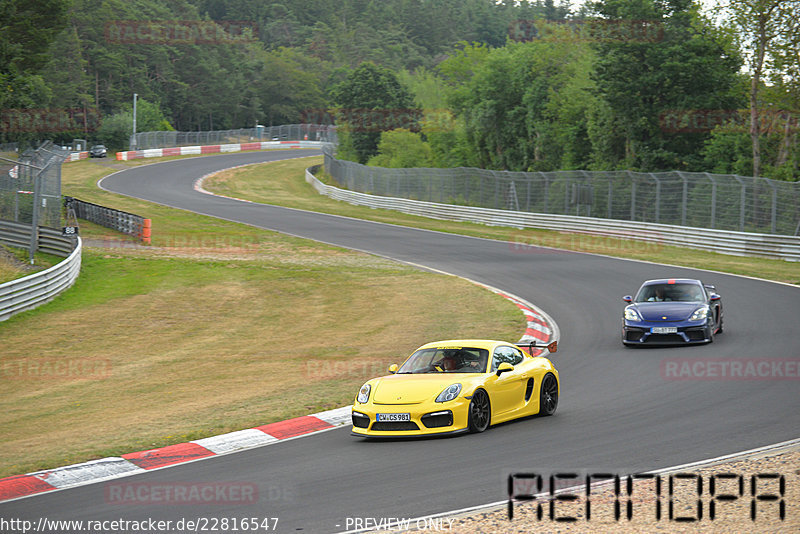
x: 393, y: 417
x: 664, y: 330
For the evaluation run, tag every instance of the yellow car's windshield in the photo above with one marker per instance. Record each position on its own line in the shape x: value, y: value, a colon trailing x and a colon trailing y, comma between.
x: 446, y: 360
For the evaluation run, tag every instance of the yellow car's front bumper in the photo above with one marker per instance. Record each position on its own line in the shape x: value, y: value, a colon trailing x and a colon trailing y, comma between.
x: 424, y: 419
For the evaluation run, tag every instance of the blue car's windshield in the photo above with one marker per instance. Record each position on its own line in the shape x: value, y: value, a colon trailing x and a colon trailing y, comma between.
x: 671, y: 293
x: 446, y: 360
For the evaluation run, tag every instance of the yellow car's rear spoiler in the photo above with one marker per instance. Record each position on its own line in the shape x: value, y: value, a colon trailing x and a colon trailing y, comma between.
x: 551, y: 347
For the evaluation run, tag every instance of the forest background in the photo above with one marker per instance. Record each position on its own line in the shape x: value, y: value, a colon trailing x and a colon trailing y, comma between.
x: 647, y: 85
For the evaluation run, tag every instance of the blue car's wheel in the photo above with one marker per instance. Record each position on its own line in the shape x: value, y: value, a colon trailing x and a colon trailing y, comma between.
x: 479, y: 411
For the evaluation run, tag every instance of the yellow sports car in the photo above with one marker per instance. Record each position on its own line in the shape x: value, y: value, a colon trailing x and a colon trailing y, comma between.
x: 457, y: 386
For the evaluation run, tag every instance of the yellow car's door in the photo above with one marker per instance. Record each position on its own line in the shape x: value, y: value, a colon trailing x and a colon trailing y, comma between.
x: 507, y: 391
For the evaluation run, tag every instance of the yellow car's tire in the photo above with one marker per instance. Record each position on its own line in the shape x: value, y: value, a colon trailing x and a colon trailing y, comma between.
x: 548, y: 395
x: 480, y: 411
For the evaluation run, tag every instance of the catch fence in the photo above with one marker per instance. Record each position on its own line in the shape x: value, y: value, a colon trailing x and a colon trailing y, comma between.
x: 694, y: 199
x: 287, y: 132
x: 30, y: 186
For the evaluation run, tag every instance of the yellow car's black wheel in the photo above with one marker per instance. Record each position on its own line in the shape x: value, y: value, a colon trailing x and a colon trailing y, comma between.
x: 480, y: 411
x: 548, y: 396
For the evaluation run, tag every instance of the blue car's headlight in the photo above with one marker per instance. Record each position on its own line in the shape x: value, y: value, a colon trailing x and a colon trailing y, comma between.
x: 363, y: 393
x: 700, y: 314
x: 449, y: 393
x: 632, y: 315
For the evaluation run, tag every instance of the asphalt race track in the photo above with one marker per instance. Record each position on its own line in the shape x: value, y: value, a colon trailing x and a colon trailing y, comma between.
x: 618, y: 412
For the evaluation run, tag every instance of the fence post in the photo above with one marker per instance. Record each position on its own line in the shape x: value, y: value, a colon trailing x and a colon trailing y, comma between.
x: 546, y: 176
x: 658, y: 196
x: 37, y: 195
x: 742, y: 199
x: 774, y: 215
x: 713, y: 200
x: 633, y: 196
x: 685, y: 199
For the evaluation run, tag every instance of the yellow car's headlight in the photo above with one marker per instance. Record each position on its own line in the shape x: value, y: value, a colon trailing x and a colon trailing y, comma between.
x: 449, y: 393
x: 363, y: 393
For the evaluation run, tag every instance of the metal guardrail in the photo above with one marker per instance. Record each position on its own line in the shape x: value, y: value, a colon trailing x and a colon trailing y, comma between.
x: 50, y: 240
x: 121, y: 221
x: 27, y: 293
x: 728, y: 242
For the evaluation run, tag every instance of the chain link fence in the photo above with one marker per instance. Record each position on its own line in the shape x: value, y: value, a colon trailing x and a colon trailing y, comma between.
x: 30, y: 190
x: 32, y: 181
x: 703, y: 200
x: 287, y: 132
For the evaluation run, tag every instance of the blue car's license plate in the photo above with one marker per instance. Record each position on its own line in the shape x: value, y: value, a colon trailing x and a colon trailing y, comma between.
x: 664, y: 330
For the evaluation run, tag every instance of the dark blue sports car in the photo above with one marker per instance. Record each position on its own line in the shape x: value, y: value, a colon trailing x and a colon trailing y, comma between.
x: 672, y: 311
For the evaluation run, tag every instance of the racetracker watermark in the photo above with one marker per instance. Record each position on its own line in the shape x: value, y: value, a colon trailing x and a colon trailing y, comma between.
x: 145, y: 525
x: 587, y: 31
x: 373, y: 120
x: 326, y: 370
x: 716, y: 369
x: 175, y: 32
x: 188, y: 244
x: 623, y: 242
x: 49, y: 120
x: 181, y: 493
x: 706, y: 120
x: 55, y: 369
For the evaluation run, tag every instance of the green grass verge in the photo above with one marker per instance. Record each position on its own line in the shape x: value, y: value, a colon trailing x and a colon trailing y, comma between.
x: 283, y: 183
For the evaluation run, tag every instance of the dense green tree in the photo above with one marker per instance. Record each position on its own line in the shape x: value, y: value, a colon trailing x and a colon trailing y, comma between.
x: 402, y: 148
x: 115, y: 130
x: 685, y: 65
x: 524, y: 105
x: 27, y: 30
x: 370, y: 101
x: 770, y: 33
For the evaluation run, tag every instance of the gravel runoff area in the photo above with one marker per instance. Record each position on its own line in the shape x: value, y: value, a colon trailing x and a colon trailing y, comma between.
x: 731, y: 515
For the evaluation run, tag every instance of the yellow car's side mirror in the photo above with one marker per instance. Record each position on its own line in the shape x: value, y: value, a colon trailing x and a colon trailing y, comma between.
x: 393, y: 368
x: 504, y: 368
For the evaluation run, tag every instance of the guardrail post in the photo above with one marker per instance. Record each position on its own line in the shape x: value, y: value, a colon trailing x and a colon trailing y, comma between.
x: 713, y: 201
x: 146, y: 225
